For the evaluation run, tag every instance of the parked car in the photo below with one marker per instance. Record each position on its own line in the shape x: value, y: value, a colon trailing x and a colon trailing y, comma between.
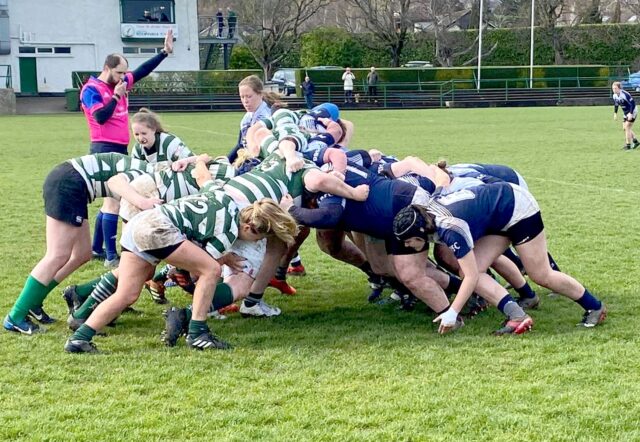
x: 417, y: 64
x: 633, y: 82
x: 286, y: 81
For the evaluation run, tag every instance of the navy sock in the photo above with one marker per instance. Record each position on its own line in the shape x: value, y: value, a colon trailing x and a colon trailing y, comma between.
x: 281, y: 273
x: 509, y: 253
x: 110, y: 229
x: 504, y: 301
x: 253, y: 299
x: 98, y: 237
x: 589, y: 302
x: 552, y: 263
x: 296, y: 261
x: 526, y: 291
x: 454, y: 285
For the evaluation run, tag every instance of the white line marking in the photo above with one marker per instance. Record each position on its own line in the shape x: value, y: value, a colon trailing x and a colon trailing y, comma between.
x: 585, y: 186
x: 205, y: 130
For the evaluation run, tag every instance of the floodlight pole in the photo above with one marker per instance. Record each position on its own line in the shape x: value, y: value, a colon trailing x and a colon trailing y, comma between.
x: 480, y: 46
x: 533, y: 14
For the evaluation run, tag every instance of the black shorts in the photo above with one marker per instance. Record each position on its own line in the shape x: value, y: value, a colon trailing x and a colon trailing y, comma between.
x: 163, y: 252
x: 104, y: 147
x: 525, y: 230
x: 66, y: 195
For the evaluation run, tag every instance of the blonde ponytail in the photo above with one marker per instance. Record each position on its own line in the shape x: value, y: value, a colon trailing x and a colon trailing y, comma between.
x: 269, y: 219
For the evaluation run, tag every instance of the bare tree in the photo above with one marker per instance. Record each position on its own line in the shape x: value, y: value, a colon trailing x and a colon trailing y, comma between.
x: 272, y: 28
x: 387, y: 20
x: 548, y: 13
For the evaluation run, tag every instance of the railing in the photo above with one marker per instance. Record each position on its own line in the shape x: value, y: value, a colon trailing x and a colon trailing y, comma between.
x: 7, y: 75
x: 208, y: 27
x: 448, y: 89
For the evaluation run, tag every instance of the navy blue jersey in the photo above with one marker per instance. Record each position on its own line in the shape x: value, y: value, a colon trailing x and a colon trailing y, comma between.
x: 317, y: 146
x: 478, y: 171
x: 375, y: 215
x: 463, y: 217
x: 624, y: 99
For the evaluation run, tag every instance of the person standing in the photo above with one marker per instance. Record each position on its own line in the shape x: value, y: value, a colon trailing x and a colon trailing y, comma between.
x: 372, y: 82
x: 308, y: 89
x: 105, y: 105
x: 232, y: 20
x: 629, y: 114
x: 347, y: 80
x: 220, y: 19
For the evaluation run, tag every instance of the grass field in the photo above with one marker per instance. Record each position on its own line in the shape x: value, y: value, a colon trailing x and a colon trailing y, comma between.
x: 333, y: 367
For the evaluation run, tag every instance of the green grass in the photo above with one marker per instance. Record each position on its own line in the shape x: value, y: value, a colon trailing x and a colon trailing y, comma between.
x: 333, y: 367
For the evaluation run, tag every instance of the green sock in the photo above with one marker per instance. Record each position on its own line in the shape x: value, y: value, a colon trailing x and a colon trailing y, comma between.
x: 223, y: 296
x: 84, y: 290
x: 52, y: 285
x: 161, y: 275
x: 32, y: 295
x: 84, y: 311
x: 196, y: 328
x: 84, y: 333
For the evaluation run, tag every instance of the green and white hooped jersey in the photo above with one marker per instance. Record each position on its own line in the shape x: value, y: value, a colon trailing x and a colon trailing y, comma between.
x: 270, y: 179
x: 209, y: 218
x: 283, y: 124
x: 96, y: 170
x: 166, y: 149
x: 173, y: 185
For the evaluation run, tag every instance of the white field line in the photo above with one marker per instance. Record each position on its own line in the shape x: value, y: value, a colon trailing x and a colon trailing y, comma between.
x: 206, y: 130
x: 584, y: 186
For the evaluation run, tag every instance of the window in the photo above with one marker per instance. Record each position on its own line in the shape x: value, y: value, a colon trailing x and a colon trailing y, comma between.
x: 62, y: 50
x: 147, y: 11
x: 138, y: 50
x: 45, y: 50
x: 26, y: 50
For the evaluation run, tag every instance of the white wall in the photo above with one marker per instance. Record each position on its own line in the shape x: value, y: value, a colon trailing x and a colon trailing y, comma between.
x: 92, y: 29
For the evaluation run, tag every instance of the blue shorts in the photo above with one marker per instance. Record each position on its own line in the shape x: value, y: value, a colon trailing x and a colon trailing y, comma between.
x: 104, y: 147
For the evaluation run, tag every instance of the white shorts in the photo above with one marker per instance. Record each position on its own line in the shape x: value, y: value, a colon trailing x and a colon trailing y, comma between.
x: 252, y: 251
x: 421, y: 197
x: 145, y: 185
x: 150, y: 230
x: 525, y: 206
x: 521, y: 182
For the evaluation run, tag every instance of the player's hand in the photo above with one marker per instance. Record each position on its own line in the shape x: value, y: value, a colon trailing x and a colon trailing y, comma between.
x: 168, y: 42
x: 294, y: 164
x: 361, y: 192
x: 375, y: 155
x: 120, y: 89
x: 447, y: 321
x: 286, y: 202
x: 231, y: 260
x: 325, y: 121
x: 150, y: 203
x: 179, y: 166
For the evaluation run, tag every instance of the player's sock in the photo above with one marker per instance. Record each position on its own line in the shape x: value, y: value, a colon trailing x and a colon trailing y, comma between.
x: 84, y: 333
x: 105, y: 288
x: 553, y: 263
x: 253, y: 299
x: 510, y: 308
x: 162, y: 274
x: 526, y: 291
x: 296, y: 261
x: 587, y: 301
x: 196, y: 328
x: 32, y: 295
x: 454, y: 285
x: 281, y: 273
x: 366, y: 268
x: 98, y: 236
x: 110, y: 229
x: 223, y: 296
x: 509, y: 253
x: 84, y: 290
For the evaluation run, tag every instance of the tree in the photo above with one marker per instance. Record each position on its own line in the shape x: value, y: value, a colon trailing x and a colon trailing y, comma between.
x: 548, y: 13
x: 388, y: 21
x: 271, y: 29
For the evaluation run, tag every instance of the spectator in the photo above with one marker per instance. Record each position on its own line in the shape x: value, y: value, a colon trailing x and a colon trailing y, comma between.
x: 372, y: 82
x: 347, y: 79
x: 308, y: 89
x: 220, y: 19
x: 232, y: 20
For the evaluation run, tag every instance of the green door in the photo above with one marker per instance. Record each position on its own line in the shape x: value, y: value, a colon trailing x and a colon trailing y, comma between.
x: 28, y: 76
